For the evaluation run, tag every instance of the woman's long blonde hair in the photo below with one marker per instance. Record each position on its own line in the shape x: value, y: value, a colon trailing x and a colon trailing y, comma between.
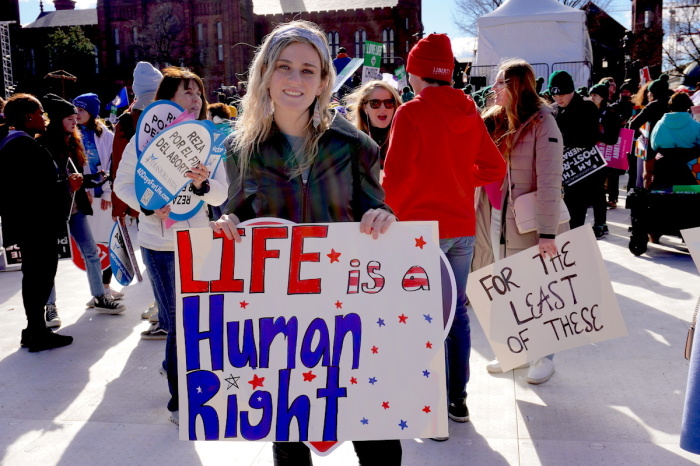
x: 255, y: 125
x: 524, y: 102
x: 356, y: 101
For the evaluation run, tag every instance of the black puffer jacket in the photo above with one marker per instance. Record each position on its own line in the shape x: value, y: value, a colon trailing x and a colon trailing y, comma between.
x: 578, y: 122
x: 343, y: 181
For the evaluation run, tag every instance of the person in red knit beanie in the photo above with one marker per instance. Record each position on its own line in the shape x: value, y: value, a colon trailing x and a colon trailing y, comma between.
x: 439, y: 152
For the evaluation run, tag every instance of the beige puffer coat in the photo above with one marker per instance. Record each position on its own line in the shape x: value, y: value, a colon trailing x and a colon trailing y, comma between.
x: 535, y: 165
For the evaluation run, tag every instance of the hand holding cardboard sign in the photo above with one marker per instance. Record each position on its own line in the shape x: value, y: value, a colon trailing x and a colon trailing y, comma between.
x: 227, y: 225
x: 376, y: 221
x: 198, y: 174
x: 75, y: 180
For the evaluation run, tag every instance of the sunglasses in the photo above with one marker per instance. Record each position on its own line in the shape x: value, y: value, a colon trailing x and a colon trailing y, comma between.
x: 376, y: 103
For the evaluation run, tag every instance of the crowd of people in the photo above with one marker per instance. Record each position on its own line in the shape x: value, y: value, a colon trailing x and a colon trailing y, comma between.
x: 424, y: 152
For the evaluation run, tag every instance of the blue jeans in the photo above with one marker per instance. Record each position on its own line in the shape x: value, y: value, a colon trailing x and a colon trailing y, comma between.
x: 80, y: 231
x: 458, y: 344
x: 161, y: 270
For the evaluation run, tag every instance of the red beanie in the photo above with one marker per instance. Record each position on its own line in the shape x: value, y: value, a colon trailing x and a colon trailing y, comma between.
x: 432, y: 58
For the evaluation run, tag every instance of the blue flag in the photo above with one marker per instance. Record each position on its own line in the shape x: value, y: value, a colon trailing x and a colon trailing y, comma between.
x: 121, y: 100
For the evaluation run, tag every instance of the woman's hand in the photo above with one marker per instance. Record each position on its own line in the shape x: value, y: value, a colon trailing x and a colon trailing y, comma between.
x: 198, y: 174
x: 548, y: 247
x: 106, y: 204
x: 163, y: 212
x: 227, y: 224
x: 376, y: 221
x: 75, y: 181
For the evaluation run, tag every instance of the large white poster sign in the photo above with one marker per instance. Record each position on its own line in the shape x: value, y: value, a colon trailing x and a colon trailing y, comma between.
x: 310, y: 332
x: 691, y: 236
x: 154, y: 119
x: 530, y: 307
x: 161, y: 170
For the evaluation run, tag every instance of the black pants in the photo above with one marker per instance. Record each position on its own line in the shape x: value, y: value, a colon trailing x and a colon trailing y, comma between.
x: 369, y: 453
x: 590, y: 191
x: 39, y: 264
x: 613, y: 177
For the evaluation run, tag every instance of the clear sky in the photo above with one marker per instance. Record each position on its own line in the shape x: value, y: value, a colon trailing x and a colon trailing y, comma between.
x: 437, y: 17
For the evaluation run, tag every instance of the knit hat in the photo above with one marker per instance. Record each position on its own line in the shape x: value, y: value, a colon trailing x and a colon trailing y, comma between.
x: 560, y: 82
x: 90, y: 102
x: 659, y: 87
x: 627, y: 87
x: 57, y: 108
x: 146, y: 81
x: 432, y: 58
x: 601, y: 90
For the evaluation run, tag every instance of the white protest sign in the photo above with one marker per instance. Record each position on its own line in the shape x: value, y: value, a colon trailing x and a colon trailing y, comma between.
x: 530, y: 307
x: 580, y: 162
x: 691, y: 236
x: 154, y: 119
x: 160, y: 173
x: 310, y: 333
x: 346, y: 72
x: 121, y: 255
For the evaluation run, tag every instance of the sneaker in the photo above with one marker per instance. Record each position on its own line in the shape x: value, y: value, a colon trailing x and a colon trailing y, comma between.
x: 154, y: 317
x: 45, y: 341
x: 598, y: 232
x: 540, y: 371
x: 91, y: 303
x: 458, y: 411
x: 114, y: 294
x: 106, y: 305
x: 175, y: 417
x: 52, y: 319
x: 494, y: 367
x: 154, y: 332
x: 152, y: 309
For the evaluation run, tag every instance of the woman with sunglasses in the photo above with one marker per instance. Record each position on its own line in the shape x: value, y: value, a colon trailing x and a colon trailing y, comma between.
x: 372, y: 108
x: 293, y: 158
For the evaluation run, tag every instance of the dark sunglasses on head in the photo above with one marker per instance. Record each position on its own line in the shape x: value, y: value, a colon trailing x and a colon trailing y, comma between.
x: 376, y: 103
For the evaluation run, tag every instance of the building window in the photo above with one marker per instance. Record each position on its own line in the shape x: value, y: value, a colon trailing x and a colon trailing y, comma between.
x: 116, y: 36
x: 134, y: 34
x: 117, y: 57
x: 334, y: 42
x: 97, y: 59
x: 219, y: 31
x: 220, y: 52
x: 407, y: 24
x: 408, y: 47
x: 360, y: 38
x: 200, y: 32
x: 388, y: 41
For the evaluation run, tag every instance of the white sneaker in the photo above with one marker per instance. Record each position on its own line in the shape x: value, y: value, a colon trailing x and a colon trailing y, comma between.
x: 152, y: 309
x: 91, y: 303
x: 116, y: 295
x: 541, y: 370
x: 494, y: 367
x: 52, y: 319
x: 175, y: 417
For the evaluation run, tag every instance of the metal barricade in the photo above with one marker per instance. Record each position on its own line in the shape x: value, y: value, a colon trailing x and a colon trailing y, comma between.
x: 579, y: 70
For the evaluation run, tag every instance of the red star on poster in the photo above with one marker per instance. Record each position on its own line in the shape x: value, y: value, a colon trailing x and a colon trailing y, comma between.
x: 420, y: 242
x: 338, y: 305
x: 426, y: 409
x: 402, y: 319
x: 244, y: 304
x: 308, y: 376
x: 385, y: 404
x: 334, y: 256
x: 353, y: 380
x: 375, y: 350
x: 257, y: 381
x: 429, y: 345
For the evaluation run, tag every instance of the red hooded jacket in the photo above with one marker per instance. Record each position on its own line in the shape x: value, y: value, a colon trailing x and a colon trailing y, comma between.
x: 439, y: 151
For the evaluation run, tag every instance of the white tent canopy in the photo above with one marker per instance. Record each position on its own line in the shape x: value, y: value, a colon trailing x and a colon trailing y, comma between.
x: 538, y: 31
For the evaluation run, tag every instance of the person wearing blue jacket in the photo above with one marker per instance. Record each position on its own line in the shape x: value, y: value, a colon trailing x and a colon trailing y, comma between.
x: 676, y: 139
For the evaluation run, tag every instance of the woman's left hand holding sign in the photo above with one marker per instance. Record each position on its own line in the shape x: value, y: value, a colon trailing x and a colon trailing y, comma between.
x: 198, y: 174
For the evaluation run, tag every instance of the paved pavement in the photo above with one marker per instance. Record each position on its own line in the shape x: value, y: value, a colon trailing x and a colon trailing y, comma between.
x: 101, y: 401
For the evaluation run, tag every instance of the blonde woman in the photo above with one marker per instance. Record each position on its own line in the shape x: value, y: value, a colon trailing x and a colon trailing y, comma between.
x: 523, y: 127
x: 372, y: 107
x: 292, y: 158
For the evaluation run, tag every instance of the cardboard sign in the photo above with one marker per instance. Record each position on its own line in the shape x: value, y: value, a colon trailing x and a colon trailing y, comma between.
x: 641, y: 145
x: 530, y: 307
x: 160, y: 173
x: 691, y: 236
x: 373, y: 61
x: 400, y: 74
x: 346, y: 72
x: 154, y: 119
x: 310, y: 333
x: 616, y: 155
x: 579, y: 163
x: 121, y: 255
